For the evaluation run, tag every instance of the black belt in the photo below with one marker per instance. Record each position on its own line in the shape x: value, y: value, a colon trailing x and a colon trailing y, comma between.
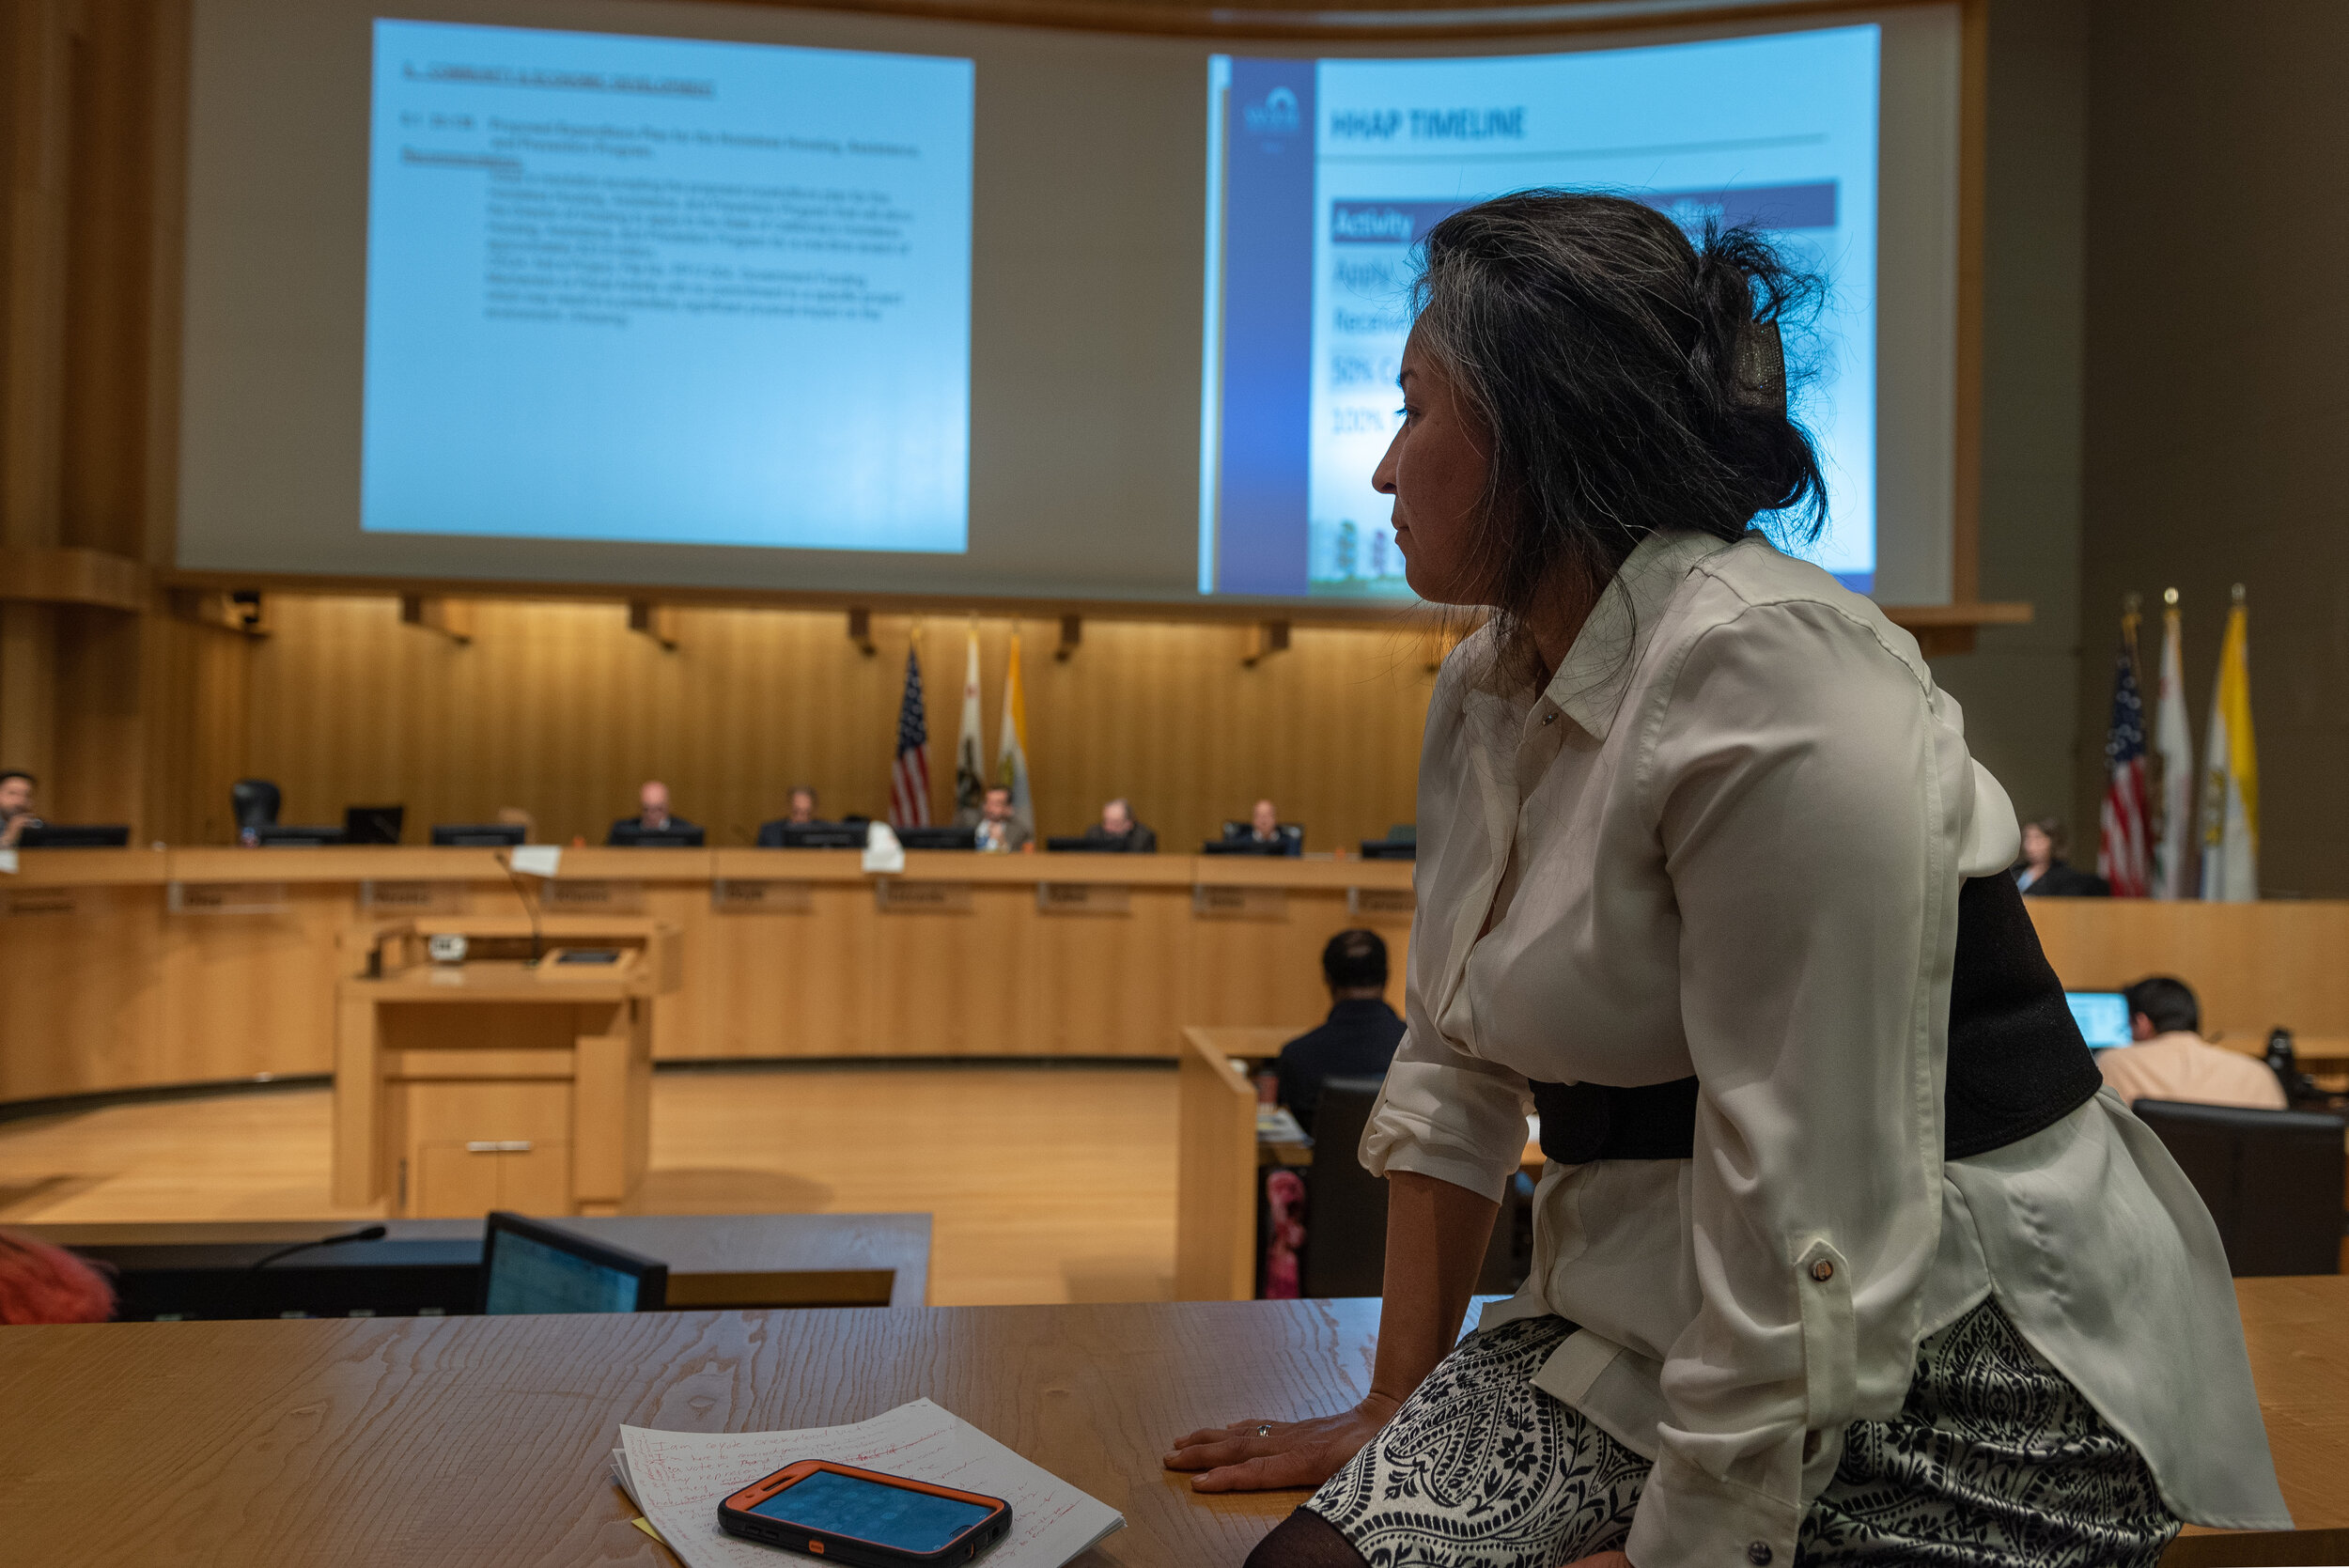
x: 2016, y: 1062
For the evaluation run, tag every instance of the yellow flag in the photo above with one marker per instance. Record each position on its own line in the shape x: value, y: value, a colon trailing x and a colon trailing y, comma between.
x: 1011, y: 757
x: 2231, y: 773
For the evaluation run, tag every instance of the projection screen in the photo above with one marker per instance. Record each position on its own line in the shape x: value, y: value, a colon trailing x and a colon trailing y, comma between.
x: 749, y: 299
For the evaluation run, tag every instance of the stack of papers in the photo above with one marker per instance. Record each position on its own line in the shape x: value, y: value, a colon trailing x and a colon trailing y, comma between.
x: 679, y: 1478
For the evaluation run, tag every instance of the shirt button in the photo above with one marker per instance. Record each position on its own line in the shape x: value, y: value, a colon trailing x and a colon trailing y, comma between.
x: 1758, y: 1552
x: 1823, y: 1271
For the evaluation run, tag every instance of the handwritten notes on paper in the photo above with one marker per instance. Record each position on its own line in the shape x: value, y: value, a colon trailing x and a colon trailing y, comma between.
x: 679, y: 1479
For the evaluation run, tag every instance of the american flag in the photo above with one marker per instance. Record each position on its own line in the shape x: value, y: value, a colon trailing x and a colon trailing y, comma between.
x: 910, y: 774
x: 2121, y: 854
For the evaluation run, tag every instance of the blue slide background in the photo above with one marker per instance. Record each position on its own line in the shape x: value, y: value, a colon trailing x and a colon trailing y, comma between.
x: 1779, y: 130
x: 641, y: 288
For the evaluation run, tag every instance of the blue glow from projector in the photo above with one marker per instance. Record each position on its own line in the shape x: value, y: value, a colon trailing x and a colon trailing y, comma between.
x: 667, y: 290
x: 1323, y: 175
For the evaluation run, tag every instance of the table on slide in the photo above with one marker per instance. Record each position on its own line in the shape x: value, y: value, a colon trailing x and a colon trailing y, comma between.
x: 458, y: 1441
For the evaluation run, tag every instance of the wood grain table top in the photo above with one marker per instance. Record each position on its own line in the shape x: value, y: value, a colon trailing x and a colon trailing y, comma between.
x: 455, y: 1441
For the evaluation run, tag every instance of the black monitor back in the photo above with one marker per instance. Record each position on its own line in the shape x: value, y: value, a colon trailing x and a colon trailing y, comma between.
x: 74, y: 835
x: 657, y: 838
x: 297, y: 838
x: 1079, y: 845
x: 938, y: 838
x: 814, y: 835
x: 2271, y: 1179
x: 373, y: 824
x: 1389, y: 849
x: 478, y: 835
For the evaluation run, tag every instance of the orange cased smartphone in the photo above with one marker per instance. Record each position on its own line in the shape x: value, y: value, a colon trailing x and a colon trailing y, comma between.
x: 842, y: 1514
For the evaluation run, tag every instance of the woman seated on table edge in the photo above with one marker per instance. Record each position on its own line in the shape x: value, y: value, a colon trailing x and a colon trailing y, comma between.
x: 1851, y: 1260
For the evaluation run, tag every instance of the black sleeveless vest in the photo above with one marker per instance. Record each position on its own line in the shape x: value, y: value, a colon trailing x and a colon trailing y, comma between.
x: 2016, y: 1062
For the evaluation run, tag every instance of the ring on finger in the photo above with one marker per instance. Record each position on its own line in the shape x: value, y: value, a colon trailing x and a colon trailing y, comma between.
x: 1263, y: 1429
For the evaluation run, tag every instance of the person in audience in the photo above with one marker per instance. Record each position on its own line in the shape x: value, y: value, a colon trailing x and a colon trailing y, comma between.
x: 1117, y: 826
x: 802, y: 806
x: 999, y: 831
x: 2171, y: 1059
x: 1844, y: 1256
x: 41, y: 1283
x: 16, y: 805
x: 652, y: 814
x: 2042, y: 872
x: 1264, y: 823
x: 1358, y: 1038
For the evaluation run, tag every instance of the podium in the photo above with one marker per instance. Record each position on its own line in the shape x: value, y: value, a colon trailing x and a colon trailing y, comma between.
x: 497, y: 1081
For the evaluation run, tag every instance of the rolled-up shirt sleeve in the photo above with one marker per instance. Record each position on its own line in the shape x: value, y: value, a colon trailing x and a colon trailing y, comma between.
x: 1443, y: 1113
x: 1809, y: 830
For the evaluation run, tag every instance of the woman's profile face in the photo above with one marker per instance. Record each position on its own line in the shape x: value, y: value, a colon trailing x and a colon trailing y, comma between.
x: 1435, y: 470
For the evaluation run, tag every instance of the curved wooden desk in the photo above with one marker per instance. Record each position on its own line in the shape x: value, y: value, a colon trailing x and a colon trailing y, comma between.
x: 136, y: 967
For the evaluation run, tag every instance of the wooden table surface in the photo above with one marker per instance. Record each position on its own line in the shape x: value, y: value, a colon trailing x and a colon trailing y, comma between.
x: 454, y: 1441
x: 451, y: 1441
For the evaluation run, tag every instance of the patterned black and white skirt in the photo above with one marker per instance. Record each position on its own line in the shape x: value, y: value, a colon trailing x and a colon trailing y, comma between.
x: 1996, y: 1461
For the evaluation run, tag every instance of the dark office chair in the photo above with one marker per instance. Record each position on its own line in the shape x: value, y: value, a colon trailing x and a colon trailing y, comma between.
x: 254, y: 802
x: 1346, y: 1208
x: 2271, y: 1179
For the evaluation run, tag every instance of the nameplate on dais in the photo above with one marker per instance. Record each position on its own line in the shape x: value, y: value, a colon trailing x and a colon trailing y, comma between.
x: 225, y: 898
x: 593, y: 896
x: 1371, y: 903
x: 414, y: 898
x: 40, y: 901
x: 895, y: 895
x: 1221, y: 903
x: 1084, y: 898
x: 738, y: 895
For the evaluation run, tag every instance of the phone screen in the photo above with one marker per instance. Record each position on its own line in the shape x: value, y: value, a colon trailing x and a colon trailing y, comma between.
x: 893, y: 1517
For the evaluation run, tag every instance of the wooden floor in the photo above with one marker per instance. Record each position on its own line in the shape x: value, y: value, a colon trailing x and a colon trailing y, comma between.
x: 1046, y: 1184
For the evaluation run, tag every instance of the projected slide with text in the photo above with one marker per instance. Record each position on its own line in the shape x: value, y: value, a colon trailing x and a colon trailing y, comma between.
x: 638, y: 289
x: 1323, y: 176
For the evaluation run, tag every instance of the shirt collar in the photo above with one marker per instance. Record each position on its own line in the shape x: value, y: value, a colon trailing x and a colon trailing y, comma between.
x: 1591, y: 680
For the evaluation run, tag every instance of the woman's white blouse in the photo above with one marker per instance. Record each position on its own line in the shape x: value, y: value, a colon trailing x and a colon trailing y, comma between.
x: 1727, y: 841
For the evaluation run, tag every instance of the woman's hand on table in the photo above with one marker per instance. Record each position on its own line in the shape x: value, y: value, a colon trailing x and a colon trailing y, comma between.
x: 1290, y: 1453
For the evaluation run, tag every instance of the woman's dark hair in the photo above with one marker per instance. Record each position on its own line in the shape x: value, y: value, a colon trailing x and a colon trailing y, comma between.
x: 1629, y: 379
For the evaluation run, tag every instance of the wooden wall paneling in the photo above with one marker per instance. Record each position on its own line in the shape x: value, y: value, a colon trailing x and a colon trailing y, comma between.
x: 197, y: 684
x: 2253, y: 966
x: 556, y: 708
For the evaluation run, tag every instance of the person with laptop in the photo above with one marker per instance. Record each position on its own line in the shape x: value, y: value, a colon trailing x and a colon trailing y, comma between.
x: 1358, y: 1038
x: 652, y: 816
x: 16, y: 805
x: 2171, y: 1061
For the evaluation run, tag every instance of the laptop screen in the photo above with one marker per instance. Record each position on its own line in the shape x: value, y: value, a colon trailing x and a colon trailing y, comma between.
x: 2103, y: 1018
